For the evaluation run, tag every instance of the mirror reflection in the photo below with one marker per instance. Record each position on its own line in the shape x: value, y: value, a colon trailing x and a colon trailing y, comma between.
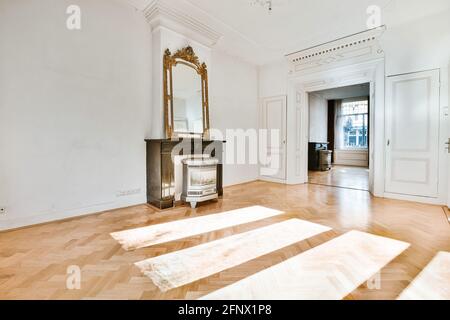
x: 187, y: 100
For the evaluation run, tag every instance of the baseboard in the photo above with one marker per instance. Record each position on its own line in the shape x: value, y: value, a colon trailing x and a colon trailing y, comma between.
x: 434, y: 201
x: 24, y: 222
x: 447, y: 213
x: 273, y: 180
x: 239, y: 183
x: 29, y: 221
x: 351, y: 163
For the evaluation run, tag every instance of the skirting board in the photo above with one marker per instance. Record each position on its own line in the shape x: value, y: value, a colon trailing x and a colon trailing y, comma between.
x: 225, y: 186
x: 447, y: 213
x: 24, y: 222
x: 405, y: 197
x: 8, y: 224
x: 273, y: 180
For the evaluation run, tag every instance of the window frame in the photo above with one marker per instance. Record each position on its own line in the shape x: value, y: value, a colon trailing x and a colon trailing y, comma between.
x: 367, y: 114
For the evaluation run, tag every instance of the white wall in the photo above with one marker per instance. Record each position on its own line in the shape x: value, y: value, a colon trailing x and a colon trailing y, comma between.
x: 75, y: 106
x: 273, y: 79
x: 419, y: 45
x: 358, y: 158
x: 233, y: 94
x: 162, y: 39
x: 74, y: 109
x: 318, y: 119
x: 413, y: 46
x: 234, y: 105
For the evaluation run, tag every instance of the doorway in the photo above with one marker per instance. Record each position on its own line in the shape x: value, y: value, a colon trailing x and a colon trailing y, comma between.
x: 339, y: 137
x: 299, y: 87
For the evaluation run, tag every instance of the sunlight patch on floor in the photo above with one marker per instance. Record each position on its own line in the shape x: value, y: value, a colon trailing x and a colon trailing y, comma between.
x: 185, y: 266
x: 176, y: 230
x: 330, y: 271
x: 433, y: 283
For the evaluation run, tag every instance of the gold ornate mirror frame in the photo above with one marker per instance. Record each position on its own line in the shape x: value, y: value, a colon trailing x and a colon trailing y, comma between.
x: 187, y: 57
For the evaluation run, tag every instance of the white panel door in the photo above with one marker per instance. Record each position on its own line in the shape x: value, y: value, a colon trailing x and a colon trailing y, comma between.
x: 412, y: 132
x: 273, y: 119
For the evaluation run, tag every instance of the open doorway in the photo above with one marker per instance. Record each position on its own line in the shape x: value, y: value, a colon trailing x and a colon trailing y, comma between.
x: 339, y: 135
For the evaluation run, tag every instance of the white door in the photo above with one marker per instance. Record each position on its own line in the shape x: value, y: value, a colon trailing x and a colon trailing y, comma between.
x: 273, y: 119
x: 412, y: 133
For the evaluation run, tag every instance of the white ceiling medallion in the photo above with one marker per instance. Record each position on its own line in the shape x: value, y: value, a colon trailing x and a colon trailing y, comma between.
x: 160, y: 13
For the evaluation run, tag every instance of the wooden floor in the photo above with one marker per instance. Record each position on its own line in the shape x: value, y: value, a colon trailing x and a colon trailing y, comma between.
x: 342, y: 176
x: 34, y: 261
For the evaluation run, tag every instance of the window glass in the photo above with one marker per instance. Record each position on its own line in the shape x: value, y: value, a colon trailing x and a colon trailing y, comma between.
x: 353, y: 120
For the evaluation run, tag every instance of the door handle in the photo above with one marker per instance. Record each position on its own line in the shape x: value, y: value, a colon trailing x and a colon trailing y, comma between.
x: 388, y: 142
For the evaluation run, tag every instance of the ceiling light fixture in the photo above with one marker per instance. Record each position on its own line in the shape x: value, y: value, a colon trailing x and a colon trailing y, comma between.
x: 262, y: 3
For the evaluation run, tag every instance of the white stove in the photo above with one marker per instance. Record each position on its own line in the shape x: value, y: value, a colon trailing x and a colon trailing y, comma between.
x: 199, y: 180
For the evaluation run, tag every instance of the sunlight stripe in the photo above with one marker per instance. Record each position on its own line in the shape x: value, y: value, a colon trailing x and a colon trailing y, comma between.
x: 330, y: 271
x: 433, y: 283
x: 182, y: 267
x: 175, y: 230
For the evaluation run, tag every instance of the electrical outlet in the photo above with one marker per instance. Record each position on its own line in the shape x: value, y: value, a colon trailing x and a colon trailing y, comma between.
x: 126, y: 193
x: 2, y: 210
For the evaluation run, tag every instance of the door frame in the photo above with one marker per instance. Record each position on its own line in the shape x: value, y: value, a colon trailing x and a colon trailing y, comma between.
x: 446, y: 77
x: 299, y: 87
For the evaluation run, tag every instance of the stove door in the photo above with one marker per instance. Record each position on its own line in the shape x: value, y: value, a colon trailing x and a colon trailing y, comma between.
x: 201, y: 178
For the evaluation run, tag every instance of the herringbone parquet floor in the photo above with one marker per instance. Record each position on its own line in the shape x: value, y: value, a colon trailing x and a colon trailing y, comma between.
x: 342, y: 176
x: 34, y: 261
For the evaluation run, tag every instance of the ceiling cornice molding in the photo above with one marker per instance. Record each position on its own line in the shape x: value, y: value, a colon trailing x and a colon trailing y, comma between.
x: 162, y: 14
x: 360, y: 46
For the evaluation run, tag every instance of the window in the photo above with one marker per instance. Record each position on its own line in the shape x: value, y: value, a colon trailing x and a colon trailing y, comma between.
x: 352, y: 124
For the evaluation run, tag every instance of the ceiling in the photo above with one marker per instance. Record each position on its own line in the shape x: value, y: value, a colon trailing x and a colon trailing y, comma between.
x: 259, y: 37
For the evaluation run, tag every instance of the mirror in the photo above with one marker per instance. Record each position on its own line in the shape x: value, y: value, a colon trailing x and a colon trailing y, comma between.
x: 187, y: 100
x: 185, y: 95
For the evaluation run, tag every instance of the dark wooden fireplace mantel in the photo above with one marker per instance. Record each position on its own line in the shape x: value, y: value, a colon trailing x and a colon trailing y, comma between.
x: 160, y: 167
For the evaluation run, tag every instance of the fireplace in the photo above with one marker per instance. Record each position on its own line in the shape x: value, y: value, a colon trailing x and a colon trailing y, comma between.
x: 199, y: 180
x: 165, y: 176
